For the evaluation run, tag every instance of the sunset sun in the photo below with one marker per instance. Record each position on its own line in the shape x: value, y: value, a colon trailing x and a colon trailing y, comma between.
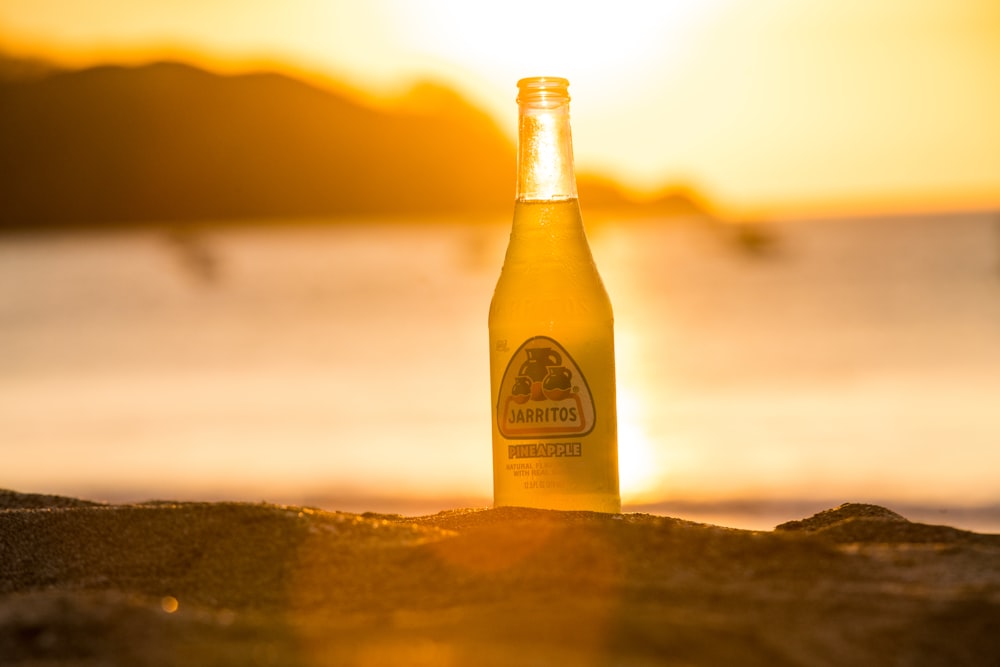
x: 583, y: 41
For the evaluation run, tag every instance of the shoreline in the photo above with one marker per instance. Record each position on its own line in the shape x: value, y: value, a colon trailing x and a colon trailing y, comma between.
x: 740, y: 513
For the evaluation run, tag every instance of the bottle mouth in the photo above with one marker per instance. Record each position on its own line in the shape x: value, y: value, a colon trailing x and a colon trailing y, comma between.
x: 543, y: 90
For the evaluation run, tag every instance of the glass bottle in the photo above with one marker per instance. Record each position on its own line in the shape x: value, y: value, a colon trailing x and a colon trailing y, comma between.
x: 552, y: 361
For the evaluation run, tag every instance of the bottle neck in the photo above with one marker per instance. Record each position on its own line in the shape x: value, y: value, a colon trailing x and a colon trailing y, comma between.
x: 544, y: 142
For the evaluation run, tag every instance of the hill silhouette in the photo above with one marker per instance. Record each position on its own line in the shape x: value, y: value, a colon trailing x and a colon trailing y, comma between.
x: 171, y: 142
x: 601, y: 192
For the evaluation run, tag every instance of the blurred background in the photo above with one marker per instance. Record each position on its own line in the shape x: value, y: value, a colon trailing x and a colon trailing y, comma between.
x: 247, y: 248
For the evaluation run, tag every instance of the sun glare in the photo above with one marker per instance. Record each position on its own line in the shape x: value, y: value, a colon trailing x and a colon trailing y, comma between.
x: 585, y: 42
x: 523, y: 35
x: 637, y: 470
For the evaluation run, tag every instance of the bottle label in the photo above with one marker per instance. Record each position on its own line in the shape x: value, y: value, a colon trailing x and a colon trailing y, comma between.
x: 543, y: 393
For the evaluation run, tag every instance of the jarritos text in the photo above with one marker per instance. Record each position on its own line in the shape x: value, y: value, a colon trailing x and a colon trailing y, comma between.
x: 543, y: 394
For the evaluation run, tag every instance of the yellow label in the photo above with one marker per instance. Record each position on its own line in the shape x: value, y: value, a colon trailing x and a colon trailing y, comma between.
x: 543, y: 393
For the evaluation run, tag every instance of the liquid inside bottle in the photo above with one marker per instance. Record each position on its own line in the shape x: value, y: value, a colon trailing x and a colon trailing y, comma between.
x: 552, y: 370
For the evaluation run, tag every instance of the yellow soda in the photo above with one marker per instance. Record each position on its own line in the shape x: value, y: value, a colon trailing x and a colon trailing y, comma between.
x: 552, y: 361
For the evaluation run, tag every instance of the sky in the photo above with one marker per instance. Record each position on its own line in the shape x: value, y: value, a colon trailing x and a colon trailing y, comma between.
x: 765, y: 105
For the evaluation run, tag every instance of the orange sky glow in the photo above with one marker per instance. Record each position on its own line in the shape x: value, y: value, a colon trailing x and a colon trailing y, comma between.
x: 766, y: 105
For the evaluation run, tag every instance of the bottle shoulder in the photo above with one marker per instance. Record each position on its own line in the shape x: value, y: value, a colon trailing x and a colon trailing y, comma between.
x: 548, y: 237
x: 548, y: 296
x: 549, y: 271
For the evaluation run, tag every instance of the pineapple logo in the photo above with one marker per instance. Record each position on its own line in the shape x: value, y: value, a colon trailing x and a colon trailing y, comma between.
x: 543, y: 394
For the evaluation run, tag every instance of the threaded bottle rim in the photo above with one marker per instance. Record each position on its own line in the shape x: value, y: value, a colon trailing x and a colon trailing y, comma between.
x: 547, y: 90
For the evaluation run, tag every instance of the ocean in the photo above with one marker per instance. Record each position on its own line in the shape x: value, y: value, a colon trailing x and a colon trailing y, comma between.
x: 765, y: 371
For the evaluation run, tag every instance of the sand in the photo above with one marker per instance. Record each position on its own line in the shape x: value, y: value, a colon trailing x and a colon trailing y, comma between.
x: 166, y: 583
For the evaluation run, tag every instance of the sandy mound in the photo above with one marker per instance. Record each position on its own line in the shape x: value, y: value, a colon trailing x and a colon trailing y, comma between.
x: 255, y: 584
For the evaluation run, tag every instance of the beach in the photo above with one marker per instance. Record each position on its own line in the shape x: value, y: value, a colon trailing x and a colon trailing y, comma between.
x: 164, y: 583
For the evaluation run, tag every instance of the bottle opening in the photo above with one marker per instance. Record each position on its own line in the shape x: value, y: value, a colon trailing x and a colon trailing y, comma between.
x: 544, y: 90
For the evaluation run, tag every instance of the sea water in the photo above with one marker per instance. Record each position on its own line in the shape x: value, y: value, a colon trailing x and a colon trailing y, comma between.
x: 341, y: 364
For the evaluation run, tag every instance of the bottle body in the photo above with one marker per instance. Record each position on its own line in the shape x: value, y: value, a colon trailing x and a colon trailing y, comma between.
x: 552, y: 372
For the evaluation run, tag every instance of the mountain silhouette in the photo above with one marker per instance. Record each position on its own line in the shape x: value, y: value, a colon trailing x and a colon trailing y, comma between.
x: 172, y: 142
x: 600, y: 192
